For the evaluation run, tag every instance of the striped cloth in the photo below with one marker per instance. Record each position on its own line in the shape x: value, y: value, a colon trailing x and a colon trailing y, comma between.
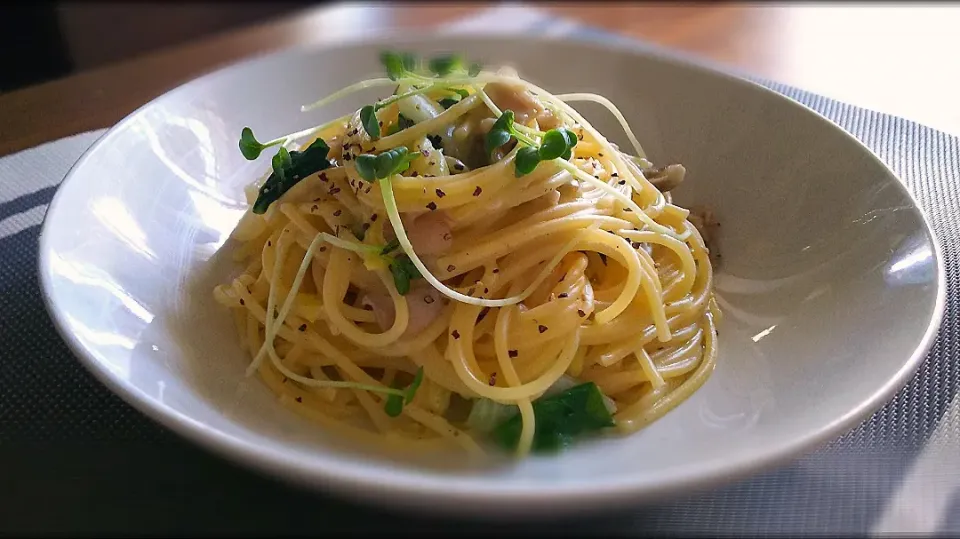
x: 77, y: 459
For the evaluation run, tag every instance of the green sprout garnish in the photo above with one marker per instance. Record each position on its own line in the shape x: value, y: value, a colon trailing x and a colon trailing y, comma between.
x: 376, y: 167
x: 250, y: 147
x: 556, y: 143
x: 368, y: 118
x: 288, y: 169
x: 395, y: 403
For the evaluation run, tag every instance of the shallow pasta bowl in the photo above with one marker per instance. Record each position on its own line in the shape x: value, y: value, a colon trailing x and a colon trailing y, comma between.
x: 831, y: 280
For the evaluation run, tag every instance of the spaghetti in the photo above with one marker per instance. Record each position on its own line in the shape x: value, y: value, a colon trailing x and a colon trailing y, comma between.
x: 468, y: 259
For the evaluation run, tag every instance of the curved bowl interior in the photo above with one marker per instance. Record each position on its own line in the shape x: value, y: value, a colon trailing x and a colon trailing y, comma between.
x: 830, y: 280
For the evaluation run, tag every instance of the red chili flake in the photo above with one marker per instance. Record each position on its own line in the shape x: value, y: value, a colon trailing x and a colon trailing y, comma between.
x: 477, y: 191
x: 373, y: 218
x: 562, y: 295
x: 432, y: 206
x: 455, y: 334
x: 334, y: 190
x: 300, y: 399
x: 428, y: 299
x: 622, y: 182
x: 451, y: 267
x: 635, y: 245
x: 614, y: 174
x: 368, y: 307
x: 447, y: 236
x: 242, y: 302
x: 303, y: 327
x: 496, y: 270
x: 440, y: 193
x: 581, y: 313
x: 541, y: 328
x: 269, y: 243
x: 483, y: 313
x: 513, y: 353
x: 323, y: 176
x: 322, y: 248
x: 493, y: 378
x: 337, y: 213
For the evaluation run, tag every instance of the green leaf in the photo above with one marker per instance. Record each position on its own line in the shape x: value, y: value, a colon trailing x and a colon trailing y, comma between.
x: 444, y: 65
x: 448, y: 102
x: 500, y: 133
x: 527, y: 159
x: 393, y: 63
x: 402, y: 123
x: 393, y: 245
x: 552, y: 146
x: 250, y: 147
x: 561, y: 419
x: 395, y: 403
x: 410, y: 62
x: 461, y: 92
x: 366, y: 166
x: 288, y: 169
x: 474, y: 69
x: 403, y: 271
x: 370, y: 123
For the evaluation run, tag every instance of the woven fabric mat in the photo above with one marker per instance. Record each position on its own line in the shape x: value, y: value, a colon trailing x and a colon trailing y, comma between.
x: 76, y: 459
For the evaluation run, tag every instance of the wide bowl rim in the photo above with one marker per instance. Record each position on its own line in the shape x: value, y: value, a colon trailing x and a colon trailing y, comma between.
x: 405, y: 488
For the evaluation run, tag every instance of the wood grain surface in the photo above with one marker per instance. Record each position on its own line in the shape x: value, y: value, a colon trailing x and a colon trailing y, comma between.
x: 895, y: 59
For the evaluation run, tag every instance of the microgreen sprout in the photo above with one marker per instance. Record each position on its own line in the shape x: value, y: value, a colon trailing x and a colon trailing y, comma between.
x: 376, y: 167
x: 395, y: 403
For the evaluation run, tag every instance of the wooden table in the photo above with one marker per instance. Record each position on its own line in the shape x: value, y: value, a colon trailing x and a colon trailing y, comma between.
x: 895, y: 59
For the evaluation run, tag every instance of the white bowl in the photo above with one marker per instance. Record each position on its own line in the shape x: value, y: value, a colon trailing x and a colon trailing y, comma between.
x: 832, y: 282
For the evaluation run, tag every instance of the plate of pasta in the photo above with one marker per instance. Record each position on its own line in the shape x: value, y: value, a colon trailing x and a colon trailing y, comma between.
x: 481, y: 281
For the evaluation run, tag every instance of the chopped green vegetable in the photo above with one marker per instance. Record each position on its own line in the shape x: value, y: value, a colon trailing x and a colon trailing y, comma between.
x: 288, y: 169
x: 395, y: 403
x: 368, y: 118
x: 474, y: 69
x: 391, y: 246
x: 250, y: 147
x: 403, y: 272
x: 448, y: 102
x: 560, y: 419
x: 402, y: 123
x: 393, y: 161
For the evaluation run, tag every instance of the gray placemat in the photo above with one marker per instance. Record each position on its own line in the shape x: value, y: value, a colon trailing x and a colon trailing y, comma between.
x: 76, y: 459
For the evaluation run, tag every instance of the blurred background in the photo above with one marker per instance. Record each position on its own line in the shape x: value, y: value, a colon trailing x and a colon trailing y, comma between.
x: 895, y: 58
x: 64, y: 37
